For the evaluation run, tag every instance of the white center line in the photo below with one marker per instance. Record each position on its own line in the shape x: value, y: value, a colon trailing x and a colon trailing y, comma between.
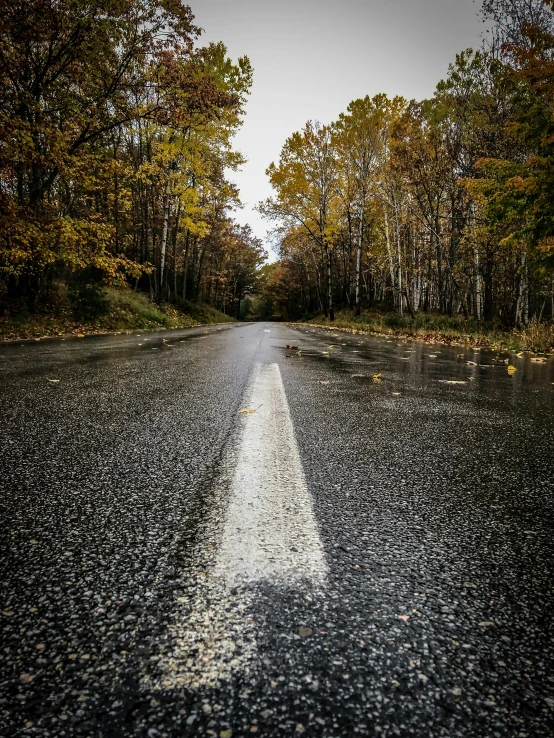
x: 271, y: 533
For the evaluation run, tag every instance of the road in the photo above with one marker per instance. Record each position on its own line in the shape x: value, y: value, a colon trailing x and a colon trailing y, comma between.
x: 360, y: 555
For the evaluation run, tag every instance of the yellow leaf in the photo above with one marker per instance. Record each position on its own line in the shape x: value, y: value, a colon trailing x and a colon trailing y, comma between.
x: 246, y: 410
x: 80, y: 335
x: 377, y: 376
x: 511, y: 369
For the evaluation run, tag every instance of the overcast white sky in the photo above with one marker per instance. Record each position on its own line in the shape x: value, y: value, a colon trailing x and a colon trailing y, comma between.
x: 312, y: 57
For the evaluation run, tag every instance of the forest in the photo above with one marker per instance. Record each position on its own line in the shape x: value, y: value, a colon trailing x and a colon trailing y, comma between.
x: 444, y: 205
x: 116, y: 132
x: 117, y: 162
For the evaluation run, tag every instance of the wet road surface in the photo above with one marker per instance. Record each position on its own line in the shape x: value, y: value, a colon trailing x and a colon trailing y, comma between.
x: 358, y: 556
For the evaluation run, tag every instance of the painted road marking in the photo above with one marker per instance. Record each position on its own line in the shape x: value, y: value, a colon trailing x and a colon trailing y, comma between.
x: 271, y: 533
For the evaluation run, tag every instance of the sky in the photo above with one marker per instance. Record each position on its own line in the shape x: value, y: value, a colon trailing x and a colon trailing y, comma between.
x: 312, y: 57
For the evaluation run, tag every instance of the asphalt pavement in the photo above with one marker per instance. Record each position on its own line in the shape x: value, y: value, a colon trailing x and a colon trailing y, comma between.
x: 366, y: 549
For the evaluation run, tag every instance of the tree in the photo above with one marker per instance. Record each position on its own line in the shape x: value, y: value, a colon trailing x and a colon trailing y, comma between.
x: 115, y: 138
x: 306, y: 195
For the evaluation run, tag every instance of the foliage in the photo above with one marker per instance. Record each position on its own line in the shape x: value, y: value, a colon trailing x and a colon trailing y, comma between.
x: 112, y: 310
x: 115, y: 138
x: 436, y: 328
x: 440, y: 205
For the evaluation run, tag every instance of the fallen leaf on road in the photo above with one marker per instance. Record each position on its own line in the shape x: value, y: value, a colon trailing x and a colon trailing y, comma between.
x: 471, y: 363
x: 405, y: 618
x: 324, y: 381
x: 377, y: 376
x: 225, y: 733
x: 432, y: 356
x: 246, y: 410
x: 511, y: 369
x: 396, y: 394
x: 53, y: 380
x: 80, y: 335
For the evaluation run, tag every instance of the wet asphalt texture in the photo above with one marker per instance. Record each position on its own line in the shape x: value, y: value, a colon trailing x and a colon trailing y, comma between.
x: 434, y: 503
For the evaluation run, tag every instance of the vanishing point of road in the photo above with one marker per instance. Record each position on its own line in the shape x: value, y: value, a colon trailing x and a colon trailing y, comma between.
x: 366, y: 549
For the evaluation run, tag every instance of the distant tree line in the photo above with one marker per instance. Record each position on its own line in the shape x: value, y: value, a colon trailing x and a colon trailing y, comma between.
x: 444, y: 205
x: 115, y: 139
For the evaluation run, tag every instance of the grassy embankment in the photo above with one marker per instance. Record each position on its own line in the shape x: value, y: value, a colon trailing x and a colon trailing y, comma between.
x: 442, y: 329
x: 120, y: 311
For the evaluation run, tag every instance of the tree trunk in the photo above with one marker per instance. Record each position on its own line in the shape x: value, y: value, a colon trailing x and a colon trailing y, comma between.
x: 389, y: 252
x: 163, y: 246
x: 329, y: 285
x: 399, y: 250
x: 478, y: 297
x: 488, y: 306
x: 359, y: 262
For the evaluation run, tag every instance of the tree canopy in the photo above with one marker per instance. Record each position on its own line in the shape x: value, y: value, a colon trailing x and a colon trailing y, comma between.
x: 116, y: 131
x: 443, y: 204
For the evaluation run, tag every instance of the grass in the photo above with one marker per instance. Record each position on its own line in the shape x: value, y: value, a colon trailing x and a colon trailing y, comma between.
x: 122, y: 310
x: 439, y: 328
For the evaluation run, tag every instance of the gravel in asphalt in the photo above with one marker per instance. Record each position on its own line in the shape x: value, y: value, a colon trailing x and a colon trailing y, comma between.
x: 430, y: 482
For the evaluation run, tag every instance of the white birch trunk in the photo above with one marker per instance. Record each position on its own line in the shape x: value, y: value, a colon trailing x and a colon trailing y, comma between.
x: 164, y: 235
